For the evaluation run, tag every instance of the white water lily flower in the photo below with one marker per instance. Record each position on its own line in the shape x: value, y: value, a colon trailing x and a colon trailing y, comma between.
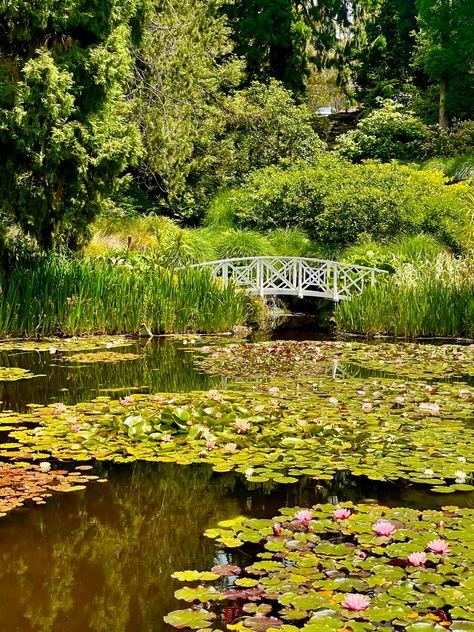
x: 460, y: 476
x: 45, y: 466
x: 462, y: 459
x: 248, y: 472
x: 428, y: 472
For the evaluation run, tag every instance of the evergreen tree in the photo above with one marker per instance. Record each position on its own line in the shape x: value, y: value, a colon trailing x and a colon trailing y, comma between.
x: 64, y: 130
x: 382, y: 63
x: 281, y: 38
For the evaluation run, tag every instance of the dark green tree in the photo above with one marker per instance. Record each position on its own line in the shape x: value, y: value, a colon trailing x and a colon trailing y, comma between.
x: 65, y: 134
x: 445, y: 50
x: 382, y: 61
x: 281, y: 39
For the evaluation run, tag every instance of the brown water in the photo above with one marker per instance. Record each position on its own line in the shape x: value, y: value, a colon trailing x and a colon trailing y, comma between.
x: 100, y: 560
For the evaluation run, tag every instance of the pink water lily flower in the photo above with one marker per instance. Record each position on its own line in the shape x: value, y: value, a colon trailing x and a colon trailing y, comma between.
x: 366, y: 407
x: 125, y: 401
x: 384, y: 527
x: 432, y: 409
x: 303, y: 516
x: 273, y: 389
x: 230, y: 447
x: 438, y: 546
x: 417, y: 559
x: 341, y: 514
x: 277, y: 528
x: 242, y: 425
x: 356, y: 602
x: 58, y: 408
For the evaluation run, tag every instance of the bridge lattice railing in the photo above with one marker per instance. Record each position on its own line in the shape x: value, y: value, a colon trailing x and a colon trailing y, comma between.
x: 294, y: 276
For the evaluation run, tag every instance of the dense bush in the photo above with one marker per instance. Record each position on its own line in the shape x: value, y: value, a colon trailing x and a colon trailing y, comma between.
x: 386, y: 133
x: 451, y: 142
x: 335, y: 201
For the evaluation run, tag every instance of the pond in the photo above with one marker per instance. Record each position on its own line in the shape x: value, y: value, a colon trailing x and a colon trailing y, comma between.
x: 101, y: 558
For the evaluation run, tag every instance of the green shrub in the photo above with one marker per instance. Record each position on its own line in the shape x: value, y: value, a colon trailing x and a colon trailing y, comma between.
x: 385, y: 134
x: 453, y: 141
x: 336, y: 201
x: 290, y: 242
x: 236, y: 242
x: 390, y: 255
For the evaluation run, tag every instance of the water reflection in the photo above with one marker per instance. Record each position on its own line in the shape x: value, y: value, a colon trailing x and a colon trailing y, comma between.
x: 164, y: 366
x: 100, y: 560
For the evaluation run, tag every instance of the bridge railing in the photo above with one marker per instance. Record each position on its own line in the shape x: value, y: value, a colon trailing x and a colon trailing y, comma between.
x: 294, y: 276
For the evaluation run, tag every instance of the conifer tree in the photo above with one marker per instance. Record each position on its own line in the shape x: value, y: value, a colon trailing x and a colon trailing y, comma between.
x: 65, y: 134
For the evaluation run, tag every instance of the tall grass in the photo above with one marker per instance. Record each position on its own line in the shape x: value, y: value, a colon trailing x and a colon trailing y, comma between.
x: 74, y: 297
x: 435, y: 298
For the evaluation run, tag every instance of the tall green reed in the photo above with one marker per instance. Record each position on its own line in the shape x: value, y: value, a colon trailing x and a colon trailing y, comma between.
x: 435, y: 298
x: 74, y: 297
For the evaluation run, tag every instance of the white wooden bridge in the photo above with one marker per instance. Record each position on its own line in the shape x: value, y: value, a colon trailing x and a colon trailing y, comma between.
x: 294, y: 276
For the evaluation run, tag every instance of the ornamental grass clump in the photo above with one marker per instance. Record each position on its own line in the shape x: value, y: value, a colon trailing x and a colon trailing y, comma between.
x: 74, y: 297
x: 435, y: 298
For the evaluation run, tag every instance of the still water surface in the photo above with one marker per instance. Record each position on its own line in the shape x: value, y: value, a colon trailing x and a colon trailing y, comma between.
x: 100, y: 560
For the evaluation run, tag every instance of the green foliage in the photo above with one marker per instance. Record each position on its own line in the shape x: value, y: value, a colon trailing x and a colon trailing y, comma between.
x: 336, y: 201
x: 292, y: 242
x: 387, y: 133
x: 452, y: 142
x: 383, y: 54
x: 445, y: 50
x: 200, y: 131
x: 456, y: 169
x: 64, y: 130
x: 58, y: 296
x: 389, y: 256
x: 434, y: 298
x: 273, y: 38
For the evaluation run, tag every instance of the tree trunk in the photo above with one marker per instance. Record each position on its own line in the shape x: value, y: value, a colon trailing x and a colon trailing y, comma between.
x: 443, y: 115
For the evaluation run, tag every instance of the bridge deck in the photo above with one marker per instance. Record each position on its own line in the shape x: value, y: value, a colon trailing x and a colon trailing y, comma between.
x: 294, y: 276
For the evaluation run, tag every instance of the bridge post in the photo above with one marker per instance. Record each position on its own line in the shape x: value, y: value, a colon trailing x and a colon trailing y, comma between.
x: 335, y: 292
x: 300, y: 278
x: 225, y: 273
x: 260, y: 276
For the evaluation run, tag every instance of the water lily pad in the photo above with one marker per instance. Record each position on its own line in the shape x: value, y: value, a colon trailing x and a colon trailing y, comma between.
x: 189, y: 618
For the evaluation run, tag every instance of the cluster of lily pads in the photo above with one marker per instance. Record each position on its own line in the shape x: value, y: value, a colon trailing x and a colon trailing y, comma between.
x: 99, y: 356
x: 13, y: 373
x: 329, y: 569
x: 22, y: 482
x: 382, y: 429
x: 294, y: 359
x: 55, y: 345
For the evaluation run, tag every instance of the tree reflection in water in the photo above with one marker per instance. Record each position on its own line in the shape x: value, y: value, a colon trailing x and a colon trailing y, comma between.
x: 101, y: 560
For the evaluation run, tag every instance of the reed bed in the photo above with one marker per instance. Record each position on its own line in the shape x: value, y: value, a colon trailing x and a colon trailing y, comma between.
x: 76, y: 297
x: 435, y: 298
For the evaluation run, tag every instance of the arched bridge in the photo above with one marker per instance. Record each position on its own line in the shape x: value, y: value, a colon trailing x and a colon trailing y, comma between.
x: 294, y: 276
